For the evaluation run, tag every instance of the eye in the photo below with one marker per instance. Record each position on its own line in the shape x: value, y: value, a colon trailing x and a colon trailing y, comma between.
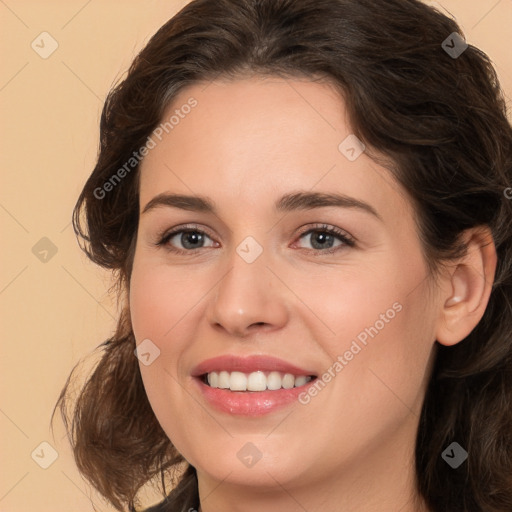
x: 189, y: 237
x: 322, y: 238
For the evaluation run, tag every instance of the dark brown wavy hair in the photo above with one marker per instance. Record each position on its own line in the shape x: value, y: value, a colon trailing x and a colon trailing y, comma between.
x: 441, y: 122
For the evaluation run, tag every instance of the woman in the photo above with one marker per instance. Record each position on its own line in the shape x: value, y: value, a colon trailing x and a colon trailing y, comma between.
x: 304, y: 202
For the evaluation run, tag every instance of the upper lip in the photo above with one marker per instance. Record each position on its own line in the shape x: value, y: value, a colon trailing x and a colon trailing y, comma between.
x: 248, y: 364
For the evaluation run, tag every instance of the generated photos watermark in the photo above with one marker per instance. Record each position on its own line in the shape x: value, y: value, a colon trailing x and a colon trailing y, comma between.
x: 137, y: 156
x: 355, y: 348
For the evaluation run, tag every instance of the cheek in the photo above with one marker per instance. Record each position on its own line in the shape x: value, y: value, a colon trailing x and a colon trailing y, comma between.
x: 162, y: 304
x: 349, y: 300
x: 147, y: 302
x: 385, y: 356
x: 381, y: 324
x: 375, y: 386
x: 156, y: 309
x: 160, y: 298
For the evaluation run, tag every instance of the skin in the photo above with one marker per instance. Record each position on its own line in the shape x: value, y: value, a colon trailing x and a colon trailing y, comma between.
x: 351, y: 448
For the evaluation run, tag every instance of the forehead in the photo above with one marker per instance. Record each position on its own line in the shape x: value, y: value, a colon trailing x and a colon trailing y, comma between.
x: 249, y: 141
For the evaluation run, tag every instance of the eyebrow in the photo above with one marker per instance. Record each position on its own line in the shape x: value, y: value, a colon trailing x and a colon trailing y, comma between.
x: 290, y: 202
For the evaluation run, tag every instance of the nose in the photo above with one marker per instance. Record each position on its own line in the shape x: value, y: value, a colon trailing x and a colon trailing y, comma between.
x: 248, y: 298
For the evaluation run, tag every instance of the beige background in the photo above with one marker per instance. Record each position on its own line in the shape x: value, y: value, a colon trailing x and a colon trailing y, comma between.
x: 56, y: 312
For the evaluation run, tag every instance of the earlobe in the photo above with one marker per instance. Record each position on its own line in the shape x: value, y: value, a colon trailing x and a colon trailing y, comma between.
x: 469, y: 288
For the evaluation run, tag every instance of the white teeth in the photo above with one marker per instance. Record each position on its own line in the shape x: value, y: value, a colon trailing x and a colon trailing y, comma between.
x: 213, y: 379
x: 238, y: 381
x: 274, y: 381
x: 300, y: 381
x: 255, y: 381
x: 288, y: 381
x: 223, y: 380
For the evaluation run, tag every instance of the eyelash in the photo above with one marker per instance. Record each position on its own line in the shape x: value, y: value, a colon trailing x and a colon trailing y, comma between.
x: 348, y: 241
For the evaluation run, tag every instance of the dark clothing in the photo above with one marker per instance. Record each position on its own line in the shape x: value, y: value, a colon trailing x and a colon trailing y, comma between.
x: 167, y: 506
x: 159, y: 507
x: 184, y: 498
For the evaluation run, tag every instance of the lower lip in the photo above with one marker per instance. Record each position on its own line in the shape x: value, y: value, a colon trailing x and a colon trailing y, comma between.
x: 250, y: 403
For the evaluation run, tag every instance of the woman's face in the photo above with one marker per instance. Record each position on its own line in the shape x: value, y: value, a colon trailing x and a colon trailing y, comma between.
x: 259, y: 289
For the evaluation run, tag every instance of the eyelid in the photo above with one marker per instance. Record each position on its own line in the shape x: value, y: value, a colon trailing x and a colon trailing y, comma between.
x: 347, y: 239
x: 164, y: 236
x: 329, y: 229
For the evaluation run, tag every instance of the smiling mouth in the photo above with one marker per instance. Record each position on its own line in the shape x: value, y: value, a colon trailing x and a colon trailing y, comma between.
x: 254, y: 381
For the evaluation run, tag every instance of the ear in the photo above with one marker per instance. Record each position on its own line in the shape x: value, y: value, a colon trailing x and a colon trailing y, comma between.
x: 468, y: 286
